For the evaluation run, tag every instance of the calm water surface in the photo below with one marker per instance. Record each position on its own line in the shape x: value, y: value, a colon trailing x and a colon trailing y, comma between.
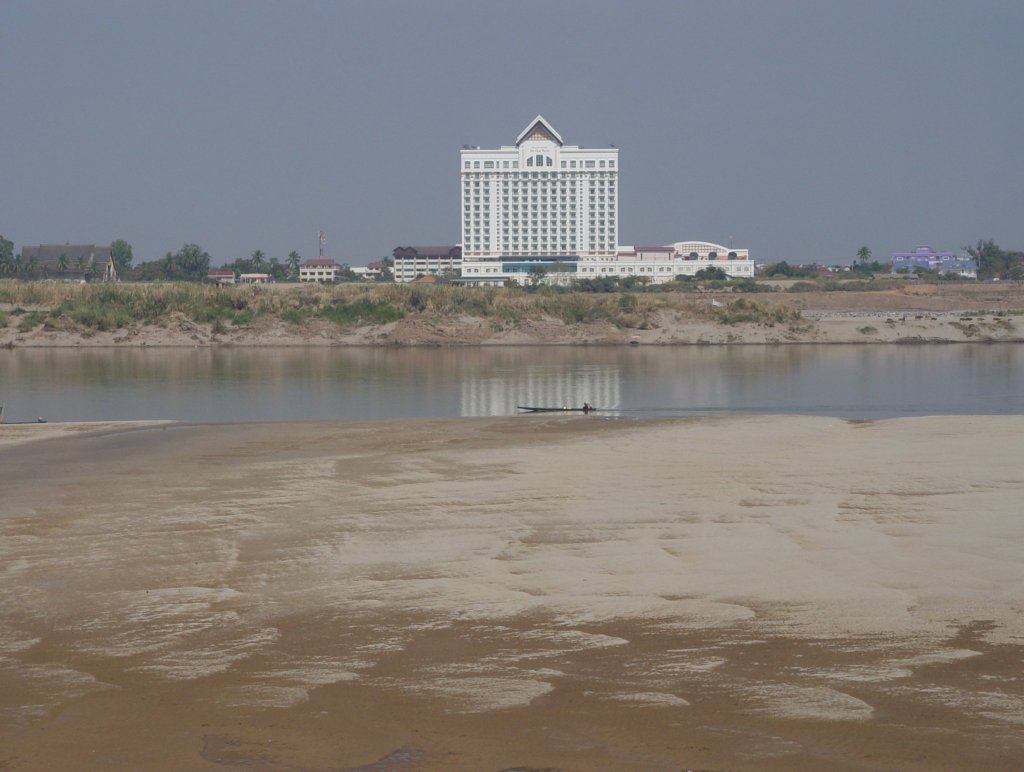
x: 285, y: 384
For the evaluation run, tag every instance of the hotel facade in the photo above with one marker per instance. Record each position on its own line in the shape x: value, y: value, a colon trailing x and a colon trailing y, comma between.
x: 543, y: 205
x: 538, y: 203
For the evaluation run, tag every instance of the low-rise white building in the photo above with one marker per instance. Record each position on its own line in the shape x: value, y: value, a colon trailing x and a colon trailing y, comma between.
x: 413, y: 262
x: 369, y: 272
x: 319, y: 270
x: 655, y: 264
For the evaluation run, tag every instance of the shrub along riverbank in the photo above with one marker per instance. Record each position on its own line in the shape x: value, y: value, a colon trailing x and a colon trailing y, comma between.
x: 112, y: 307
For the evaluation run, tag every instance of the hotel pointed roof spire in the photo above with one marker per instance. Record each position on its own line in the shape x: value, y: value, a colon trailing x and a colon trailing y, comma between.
x: 539, y: 128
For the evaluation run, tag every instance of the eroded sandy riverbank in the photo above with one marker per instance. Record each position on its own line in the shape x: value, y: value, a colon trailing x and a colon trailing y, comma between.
x: 907, y: 314
x: 742, y: 593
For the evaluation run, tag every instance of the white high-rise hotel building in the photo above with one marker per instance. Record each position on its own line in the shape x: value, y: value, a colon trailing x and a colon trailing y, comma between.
x: 540, y: 200
x: 543, y: 204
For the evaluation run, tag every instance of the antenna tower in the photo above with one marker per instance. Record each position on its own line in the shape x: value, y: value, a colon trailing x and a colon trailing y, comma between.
x: 323, y: 241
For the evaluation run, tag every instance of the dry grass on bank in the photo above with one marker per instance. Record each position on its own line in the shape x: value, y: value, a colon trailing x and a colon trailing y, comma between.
x: 108, y: 307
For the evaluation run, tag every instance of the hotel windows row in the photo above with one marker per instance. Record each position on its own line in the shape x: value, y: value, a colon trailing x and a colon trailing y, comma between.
x: 542, y: 178
x: 539, y: 160
x: 489, y: 165
x: 589, y: 165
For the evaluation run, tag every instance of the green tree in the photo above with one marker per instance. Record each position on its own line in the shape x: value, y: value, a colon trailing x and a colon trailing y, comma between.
x: 190, y: 263
x: 863, y: 254
x: 995, y: 262
x: 635, y: 282
x: 599, y: 284
x: 193, y: 262
x: 781, y: 268
x: 276, y: 270
x: 6, y: 256
x: 536, y: 274
x: 121, y: 252
x: 257, y: 260
x: 711, y: 272
x: 62, y: 263
x: 293, y: 265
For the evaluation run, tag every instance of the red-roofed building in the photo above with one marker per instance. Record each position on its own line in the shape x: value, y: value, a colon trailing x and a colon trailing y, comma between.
x: 221, y: 277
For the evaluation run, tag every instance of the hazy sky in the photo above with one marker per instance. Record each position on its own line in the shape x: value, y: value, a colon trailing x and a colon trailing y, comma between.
x: 800, y: 129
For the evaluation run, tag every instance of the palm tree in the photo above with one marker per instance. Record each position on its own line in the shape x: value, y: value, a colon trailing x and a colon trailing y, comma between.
x: 80, y: 264
x: 257, y: 261
x: 32, y: 266
x: 6, y: 264
x: 864, y: 254
x: 62, y: 263
x: 293, y: 264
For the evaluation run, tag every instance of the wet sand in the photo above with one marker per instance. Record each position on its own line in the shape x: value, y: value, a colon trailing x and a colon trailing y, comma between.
x: 567, y: 593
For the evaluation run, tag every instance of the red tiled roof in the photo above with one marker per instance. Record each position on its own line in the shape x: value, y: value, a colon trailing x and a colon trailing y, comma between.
x: 318, y: 262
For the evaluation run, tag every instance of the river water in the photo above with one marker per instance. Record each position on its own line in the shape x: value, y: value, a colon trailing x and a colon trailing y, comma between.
x: 236, y: 384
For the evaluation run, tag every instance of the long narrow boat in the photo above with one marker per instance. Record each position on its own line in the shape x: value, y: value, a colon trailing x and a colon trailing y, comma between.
x: 557, y: 409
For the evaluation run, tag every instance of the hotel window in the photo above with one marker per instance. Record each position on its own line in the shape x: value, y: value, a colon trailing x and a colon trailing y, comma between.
x: 490, y: 164
x: 466, y: 165
x: 476, y: 164
x: 590, y: 164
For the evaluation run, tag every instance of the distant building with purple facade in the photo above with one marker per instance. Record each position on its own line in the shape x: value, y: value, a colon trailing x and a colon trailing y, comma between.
x: 925, y: 258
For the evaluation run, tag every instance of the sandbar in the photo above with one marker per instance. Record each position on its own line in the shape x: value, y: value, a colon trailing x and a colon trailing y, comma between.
x: 558, y: 593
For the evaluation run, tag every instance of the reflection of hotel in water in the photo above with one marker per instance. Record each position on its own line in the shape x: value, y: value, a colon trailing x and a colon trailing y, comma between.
x: 601, y: 386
